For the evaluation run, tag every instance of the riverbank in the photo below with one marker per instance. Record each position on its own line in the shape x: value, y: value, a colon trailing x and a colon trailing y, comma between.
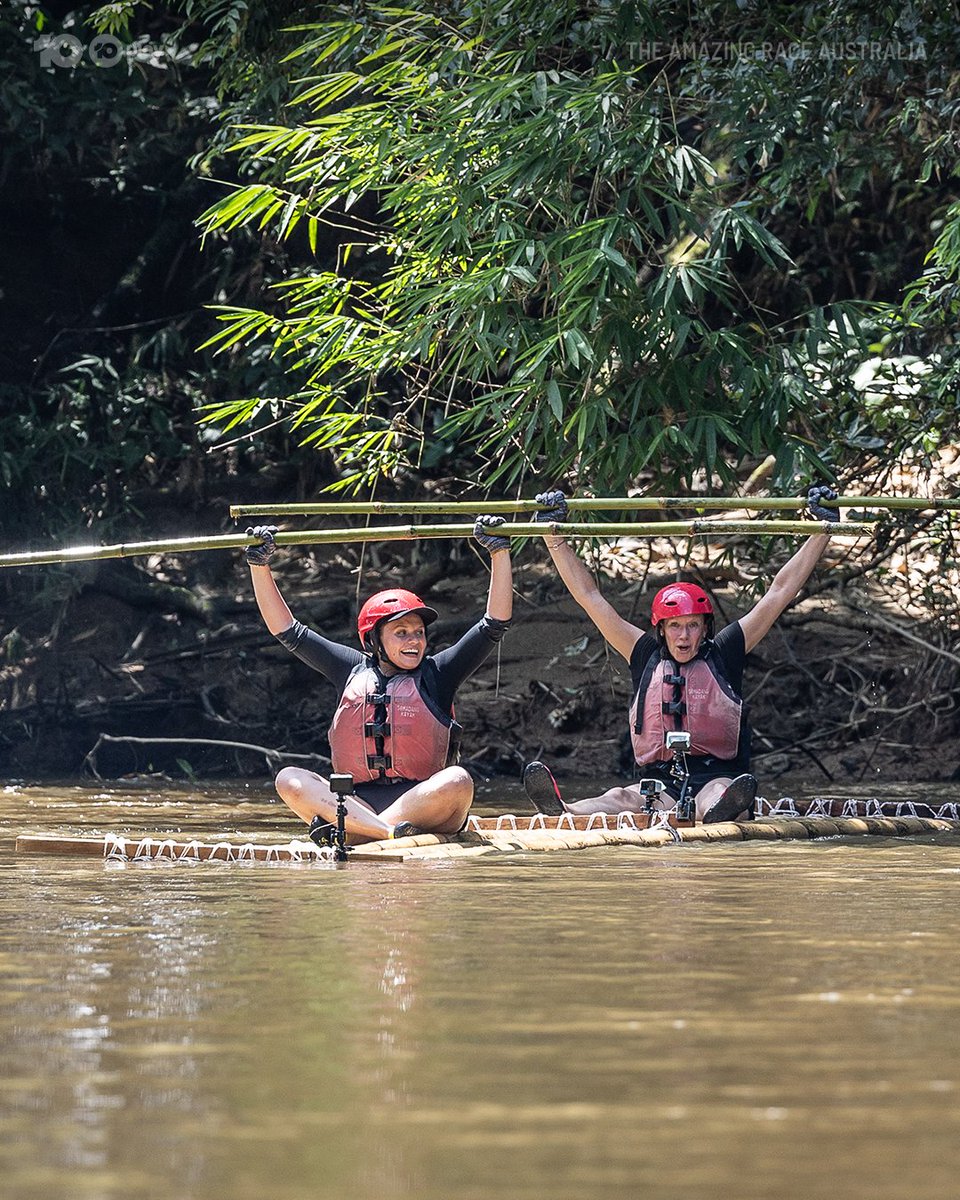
x: 854, y: 683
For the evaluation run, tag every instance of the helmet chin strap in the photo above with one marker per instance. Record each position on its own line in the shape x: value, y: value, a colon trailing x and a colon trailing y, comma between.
x: 380, y: 654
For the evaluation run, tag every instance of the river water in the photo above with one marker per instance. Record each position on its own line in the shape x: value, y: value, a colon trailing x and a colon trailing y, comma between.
x: 757, y: 1020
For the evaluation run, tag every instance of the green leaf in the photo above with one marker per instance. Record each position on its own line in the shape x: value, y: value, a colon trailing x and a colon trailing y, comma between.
x: 554, y: 399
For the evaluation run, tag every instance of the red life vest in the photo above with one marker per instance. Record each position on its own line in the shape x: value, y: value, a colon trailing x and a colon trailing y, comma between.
x: 405, y: 739
x: 704, y: 704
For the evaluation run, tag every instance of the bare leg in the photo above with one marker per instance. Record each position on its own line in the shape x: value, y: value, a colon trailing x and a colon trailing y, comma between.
x: 437, y: 805
x: 630, y: 799
x: 309, y: 796
x: 616, y: 800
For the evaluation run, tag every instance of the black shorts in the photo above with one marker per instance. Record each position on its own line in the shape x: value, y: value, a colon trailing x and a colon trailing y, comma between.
x: 700, y: 776
x: 381, y: 795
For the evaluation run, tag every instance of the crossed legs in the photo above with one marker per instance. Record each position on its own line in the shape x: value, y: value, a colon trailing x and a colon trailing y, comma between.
x: 438, y: 805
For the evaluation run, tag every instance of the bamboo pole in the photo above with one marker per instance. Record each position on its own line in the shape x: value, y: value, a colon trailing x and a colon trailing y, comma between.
x: 584, y: 504
x: 399, y: 533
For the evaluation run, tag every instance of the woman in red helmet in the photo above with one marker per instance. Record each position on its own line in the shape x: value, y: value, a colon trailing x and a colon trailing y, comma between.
x: 394, y: 729
x: 686, y: 679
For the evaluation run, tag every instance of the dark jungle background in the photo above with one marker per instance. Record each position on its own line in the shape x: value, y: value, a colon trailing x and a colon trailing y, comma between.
x: 256, y: 251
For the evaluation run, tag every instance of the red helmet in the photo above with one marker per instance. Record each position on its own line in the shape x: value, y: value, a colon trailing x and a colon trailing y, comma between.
x: 397, y: 602
x: 681, y: 600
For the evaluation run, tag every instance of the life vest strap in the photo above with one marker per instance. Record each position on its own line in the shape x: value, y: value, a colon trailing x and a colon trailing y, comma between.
x: 674, y: 708
x: 377, y: 740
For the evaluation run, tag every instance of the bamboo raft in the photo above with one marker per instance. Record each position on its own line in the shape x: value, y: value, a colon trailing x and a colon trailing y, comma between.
x: 779, y: 821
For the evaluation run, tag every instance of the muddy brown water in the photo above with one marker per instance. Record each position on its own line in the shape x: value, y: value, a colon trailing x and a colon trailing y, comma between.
x: 759, y: 1020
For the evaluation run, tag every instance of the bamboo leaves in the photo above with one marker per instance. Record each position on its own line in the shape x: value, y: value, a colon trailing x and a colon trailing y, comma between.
x: 503, y: 264
x: 535, y: 263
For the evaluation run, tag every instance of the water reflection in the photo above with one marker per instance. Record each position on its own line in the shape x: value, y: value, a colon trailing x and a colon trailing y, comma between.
x: 753, y: 1020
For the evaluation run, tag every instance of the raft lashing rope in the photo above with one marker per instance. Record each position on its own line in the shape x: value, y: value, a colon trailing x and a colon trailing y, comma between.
x: 784, y: 819
x: 155, y: 849
x: 850, y: 806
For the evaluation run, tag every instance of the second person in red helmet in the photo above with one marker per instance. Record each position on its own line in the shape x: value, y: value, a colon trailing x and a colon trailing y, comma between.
x: 394, y: 728
x: 685, y: 676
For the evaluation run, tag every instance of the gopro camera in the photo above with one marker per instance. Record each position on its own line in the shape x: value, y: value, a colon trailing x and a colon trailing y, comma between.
x: 678, y: 740
x: 651, y: 787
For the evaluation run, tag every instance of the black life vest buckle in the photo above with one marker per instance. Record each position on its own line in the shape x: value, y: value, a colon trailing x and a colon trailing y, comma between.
x: 376, y: 729
x: 675, y: 680
x: 674, y: 708
x: 378, y: 698
x: 379, y: 762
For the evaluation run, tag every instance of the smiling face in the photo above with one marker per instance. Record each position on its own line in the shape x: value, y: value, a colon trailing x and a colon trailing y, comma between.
x: 683, y: 636
x: 404, y: 641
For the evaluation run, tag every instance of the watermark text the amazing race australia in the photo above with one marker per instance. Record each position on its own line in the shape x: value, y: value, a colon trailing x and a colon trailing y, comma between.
x: 787, y: 52
x: 104, y: 50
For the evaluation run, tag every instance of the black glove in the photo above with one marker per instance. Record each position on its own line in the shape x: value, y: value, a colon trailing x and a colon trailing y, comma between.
x: 815, y: 502
x: 259, y: 556
x: 490, y: 541
x: 556, y: 511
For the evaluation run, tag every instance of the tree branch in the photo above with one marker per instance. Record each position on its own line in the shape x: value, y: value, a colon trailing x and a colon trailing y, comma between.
x: 271, y: 755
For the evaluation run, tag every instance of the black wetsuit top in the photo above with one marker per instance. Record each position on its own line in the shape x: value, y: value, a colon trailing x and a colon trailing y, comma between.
x: 730, y: 657
x: 440, y: 676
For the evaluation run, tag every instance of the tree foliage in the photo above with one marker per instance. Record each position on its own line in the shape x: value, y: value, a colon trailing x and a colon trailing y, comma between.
x: 104, y: 285
x: 601, y: 241
x: 590, y: 239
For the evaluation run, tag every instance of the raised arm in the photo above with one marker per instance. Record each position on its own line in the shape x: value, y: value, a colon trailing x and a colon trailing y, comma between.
x: 273, y: 608
x: 621, y: 635
x: 500, y: 591
x: 791, y: 577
